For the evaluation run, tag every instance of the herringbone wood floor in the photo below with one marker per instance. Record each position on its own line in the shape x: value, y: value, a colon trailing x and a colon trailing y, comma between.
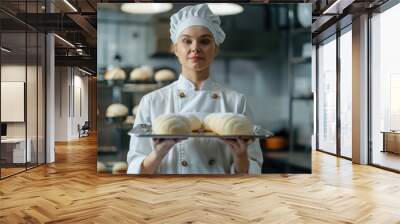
x: 70, y: 191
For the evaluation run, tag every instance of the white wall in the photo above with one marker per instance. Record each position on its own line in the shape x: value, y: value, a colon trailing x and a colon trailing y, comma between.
x: 33, y: 126
x: 80, y: 93
x: 16, y: 73
x: 13, y: 73
x: 69, y: 85
x: 61, y: 103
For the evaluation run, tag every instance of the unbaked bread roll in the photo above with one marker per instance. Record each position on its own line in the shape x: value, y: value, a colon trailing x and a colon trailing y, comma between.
x: 148, y: 69
x: 164, y: 75
x: 228, y: 124
x: 211, y: 120
x: 119, y: 168
x: 237, y: 125
x: 115, y: 74
x: 195, y: 121
x: 117, y: 110
x: 135, y: 110
x: 171, y: 124
x: 130, y: 119
x: 141, y: 74
x: 101, y: 168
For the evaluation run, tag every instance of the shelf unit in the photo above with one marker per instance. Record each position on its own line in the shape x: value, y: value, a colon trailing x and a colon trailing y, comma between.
x: 295, y: 98
x: 113, y: 138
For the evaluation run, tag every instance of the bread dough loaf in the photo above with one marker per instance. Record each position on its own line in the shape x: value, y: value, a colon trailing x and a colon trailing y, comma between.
x: 171, y: 124
x: 164, y: 75
x: 211, y: 120
x: 237, y: 125
x: 119, y: 168
x: 195, y: 121
x: 228, y: 124
x: 115, y: 74
x: 117, y: 110
x: 141, y: 74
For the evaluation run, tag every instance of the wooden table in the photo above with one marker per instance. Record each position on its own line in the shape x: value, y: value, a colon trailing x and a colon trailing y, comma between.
x: 391, y: 141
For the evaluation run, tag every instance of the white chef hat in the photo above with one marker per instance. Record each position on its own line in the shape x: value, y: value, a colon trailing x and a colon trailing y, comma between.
x: 197, y: 15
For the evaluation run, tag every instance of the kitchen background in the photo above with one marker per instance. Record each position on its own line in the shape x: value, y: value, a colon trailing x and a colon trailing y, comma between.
x: 266, y: 56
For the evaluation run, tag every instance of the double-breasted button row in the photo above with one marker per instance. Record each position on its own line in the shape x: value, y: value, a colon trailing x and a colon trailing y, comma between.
x: 183, y: 95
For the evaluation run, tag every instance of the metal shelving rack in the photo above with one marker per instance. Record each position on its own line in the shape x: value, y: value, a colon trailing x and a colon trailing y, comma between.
x: 113, y: 139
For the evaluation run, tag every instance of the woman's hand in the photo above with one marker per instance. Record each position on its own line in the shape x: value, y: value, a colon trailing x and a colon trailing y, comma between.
x: 162, y: 146
x: 238, y: 148
x: 153, y: 160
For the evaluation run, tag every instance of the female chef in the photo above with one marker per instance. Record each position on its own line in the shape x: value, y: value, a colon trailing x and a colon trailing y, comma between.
x: 195, y: 34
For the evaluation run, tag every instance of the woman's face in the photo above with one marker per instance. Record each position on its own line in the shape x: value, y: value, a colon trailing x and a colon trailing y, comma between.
x: 195, y: 48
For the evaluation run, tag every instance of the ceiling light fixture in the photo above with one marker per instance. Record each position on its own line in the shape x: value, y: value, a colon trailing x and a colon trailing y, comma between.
x: 338, y: 6
x: 70, y: 5
x: 146, y: 8
x: 84, y: 71
x: 65, y: 41
x: 225, y: 9
x: 5, y: 50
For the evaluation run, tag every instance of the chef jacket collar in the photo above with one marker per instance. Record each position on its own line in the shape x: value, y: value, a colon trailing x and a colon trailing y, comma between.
x: 185, y: 84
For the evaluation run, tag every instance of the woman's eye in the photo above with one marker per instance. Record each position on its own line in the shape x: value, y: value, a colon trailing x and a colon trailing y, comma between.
x: 186, y: 41
x: 205, y: 41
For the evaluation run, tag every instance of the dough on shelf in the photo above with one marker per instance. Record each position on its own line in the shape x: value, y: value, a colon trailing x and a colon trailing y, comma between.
x: 101, y: 168
x: 148, y: 69
x: 117, y: 110
x: 228, y: 124
x: 135, y: 110
x: 115, y: 74
x: 119, y: 168
x: 141, y: 74
x: 172, y: 124
x: 130, y: 119
x: 164, y: 75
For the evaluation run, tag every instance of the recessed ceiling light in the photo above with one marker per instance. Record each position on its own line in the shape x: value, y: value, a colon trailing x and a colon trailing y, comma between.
x: 84, y: 71
x: 337, y: 7
x: 225, y: 9
x: 5, y: 50
x: 146, y: 8
x: 70, y: 5
x: 65, y: 41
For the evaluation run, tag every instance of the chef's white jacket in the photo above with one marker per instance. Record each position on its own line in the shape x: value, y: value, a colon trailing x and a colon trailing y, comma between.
x: 193, y: 155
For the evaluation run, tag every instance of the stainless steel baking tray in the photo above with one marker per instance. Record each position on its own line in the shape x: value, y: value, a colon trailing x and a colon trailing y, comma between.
x: 144, y: 130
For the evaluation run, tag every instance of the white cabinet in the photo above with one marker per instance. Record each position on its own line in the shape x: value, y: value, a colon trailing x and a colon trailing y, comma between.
x: 16, y: 146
